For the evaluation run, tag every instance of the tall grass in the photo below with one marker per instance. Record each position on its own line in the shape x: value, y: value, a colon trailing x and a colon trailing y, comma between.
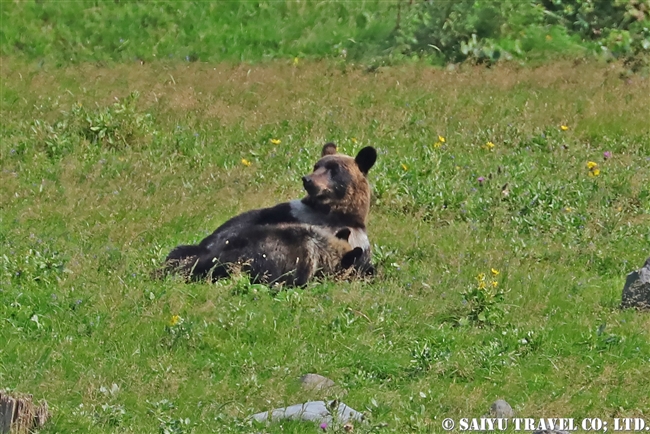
x: 233, y: 31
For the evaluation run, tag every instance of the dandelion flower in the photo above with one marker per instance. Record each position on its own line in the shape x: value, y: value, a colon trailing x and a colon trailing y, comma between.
x: 489, y: 146
x: 495, y: 272
x: 245, y: 162
x: 404, y: 167
x: 276, y: 141
x: 176, y: 319
x: 441, y: 139
x: 564, y: 127
x: 593, y: 168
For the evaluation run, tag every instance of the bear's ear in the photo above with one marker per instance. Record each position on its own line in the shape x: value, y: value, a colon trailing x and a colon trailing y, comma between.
x: 351, y: 257
x: 366, y: 158
x: 343, y: 234
x: 328, y: 149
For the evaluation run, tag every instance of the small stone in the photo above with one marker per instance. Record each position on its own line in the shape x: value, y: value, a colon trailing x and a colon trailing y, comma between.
x: 636, y: 292
x: 316, y: 382
x: 550, y: 431
x: 501, y: 409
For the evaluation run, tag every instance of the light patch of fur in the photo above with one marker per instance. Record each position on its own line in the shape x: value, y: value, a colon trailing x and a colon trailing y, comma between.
x: 359, y: 238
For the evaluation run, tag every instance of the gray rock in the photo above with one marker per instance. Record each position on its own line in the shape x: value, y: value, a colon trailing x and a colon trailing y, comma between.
x: 636, y: 292
x: 550, y: 431
x: 501, y: 409
x: 316, y: 382
x: 315, y: 411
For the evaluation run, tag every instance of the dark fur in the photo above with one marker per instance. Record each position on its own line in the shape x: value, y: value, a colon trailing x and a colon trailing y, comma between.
x: 338, y: 195
x: 288, y: 253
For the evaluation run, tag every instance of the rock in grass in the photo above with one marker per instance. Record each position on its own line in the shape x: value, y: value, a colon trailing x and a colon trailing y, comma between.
x: 636, y: 292
x: 550, y: 431
x: 315, y: 411
x: 315, y: 382
x: 501, y: 409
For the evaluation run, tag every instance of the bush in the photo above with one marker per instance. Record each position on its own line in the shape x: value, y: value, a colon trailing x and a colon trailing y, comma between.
x: 455, y: 31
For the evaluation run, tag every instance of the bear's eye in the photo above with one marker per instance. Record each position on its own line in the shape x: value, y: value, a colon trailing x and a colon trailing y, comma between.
x: 334, y: 170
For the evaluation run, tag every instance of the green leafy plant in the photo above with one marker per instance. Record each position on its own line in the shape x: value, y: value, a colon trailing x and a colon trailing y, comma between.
x: 484, y: 301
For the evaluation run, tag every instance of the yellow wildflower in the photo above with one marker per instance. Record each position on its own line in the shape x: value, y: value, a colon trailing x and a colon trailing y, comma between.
x: 495, y: 272
x: 489, y: 146
x: 593, y: 168
x: 354, y: 140
x: 441, y: 139
x: 295, y: 60
x: 564, y: 127
x: 437, y: 144
x: 495, y: 284
x: 481, y: 276
x: 404, y: 167
x: 245, y: 162
x: 276, y: 141
x: 481, y: 285
x: 176, y: 319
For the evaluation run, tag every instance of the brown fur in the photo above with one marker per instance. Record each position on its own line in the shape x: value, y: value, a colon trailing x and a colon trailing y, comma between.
x: 356, y: 201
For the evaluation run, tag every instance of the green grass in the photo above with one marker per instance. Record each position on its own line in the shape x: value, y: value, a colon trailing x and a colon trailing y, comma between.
x: 97, y: 191
x: 234, y: 31
x: 374, y: 32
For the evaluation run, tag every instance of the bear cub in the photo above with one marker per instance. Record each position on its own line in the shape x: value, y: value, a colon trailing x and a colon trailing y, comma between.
x: 338, y: 196
x: 292, y: 254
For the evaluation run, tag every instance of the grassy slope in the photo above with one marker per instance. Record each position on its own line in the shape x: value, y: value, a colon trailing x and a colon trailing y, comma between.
x: 84, y: 223
x: 89, y: 30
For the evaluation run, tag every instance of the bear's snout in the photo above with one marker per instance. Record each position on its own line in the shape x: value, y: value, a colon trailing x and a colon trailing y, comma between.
x: 310, y: 186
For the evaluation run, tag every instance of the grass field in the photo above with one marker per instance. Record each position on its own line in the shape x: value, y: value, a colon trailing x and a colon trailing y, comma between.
x: 483, y: 176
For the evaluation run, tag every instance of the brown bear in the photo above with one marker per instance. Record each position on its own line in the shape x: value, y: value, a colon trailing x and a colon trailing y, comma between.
x: 338, y: 196
x: 291, y: 253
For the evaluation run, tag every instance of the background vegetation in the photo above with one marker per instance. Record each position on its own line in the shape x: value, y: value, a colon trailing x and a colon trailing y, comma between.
x: 367, y: 30
x: 509, y: 204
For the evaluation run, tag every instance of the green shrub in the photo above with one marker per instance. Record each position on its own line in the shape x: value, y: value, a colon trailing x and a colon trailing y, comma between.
x: 487, y: 30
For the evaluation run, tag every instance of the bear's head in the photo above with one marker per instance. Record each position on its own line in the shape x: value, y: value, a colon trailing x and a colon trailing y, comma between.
x: 339, y: 183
